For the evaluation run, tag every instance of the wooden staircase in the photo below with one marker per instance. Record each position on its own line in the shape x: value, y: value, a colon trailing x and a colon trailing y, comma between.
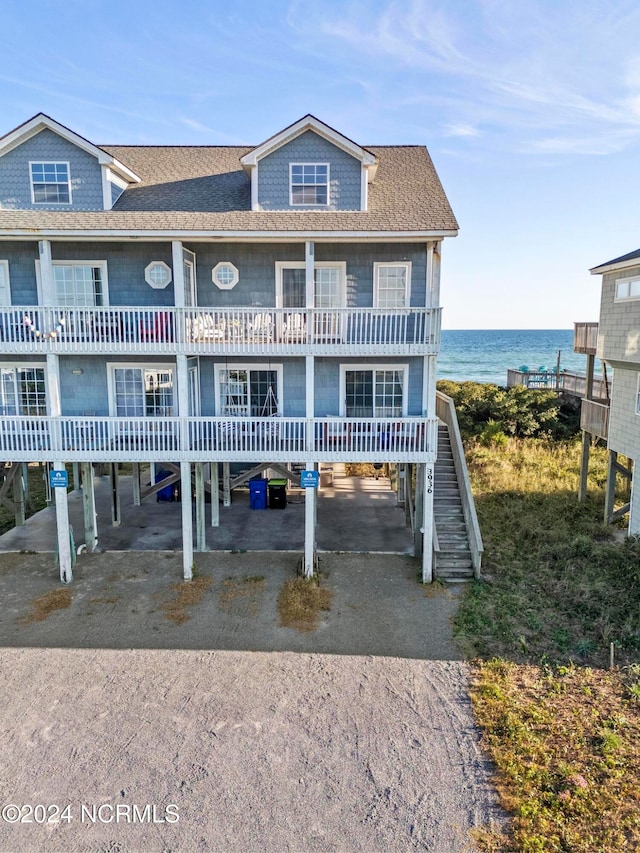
x: 453, y: 560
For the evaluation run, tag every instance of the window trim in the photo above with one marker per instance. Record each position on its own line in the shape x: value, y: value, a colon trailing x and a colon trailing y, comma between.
x: 303, y: 205
x: 66, y: 163
x: 148, y: 271
x: 626, y: 281
x: 60, y: 263
x: 402, y: 368
x: 112, y: 366
x: 234, y: 279
x: 377, y: 266
x: 248, y: 366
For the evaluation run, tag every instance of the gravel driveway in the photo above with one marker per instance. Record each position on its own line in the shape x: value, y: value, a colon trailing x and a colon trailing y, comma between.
x: 253, y: 750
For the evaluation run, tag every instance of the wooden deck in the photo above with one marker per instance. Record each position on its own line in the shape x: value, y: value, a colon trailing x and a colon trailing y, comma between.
x: 564, y: 382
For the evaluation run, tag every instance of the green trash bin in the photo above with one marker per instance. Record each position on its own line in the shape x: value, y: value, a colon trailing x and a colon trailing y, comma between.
x: 277, y: 494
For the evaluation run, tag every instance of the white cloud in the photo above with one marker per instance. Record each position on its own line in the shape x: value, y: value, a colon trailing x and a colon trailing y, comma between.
x: 542, y: 76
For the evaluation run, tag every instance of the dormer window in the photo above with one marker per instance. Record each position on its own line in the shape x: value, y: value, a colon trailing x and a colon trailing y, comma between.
x: 309, y: 183
x: 50, y: 183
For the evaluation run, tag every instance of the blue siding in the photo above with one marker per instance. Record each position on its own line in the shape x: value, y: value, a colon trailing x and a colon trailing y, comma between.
x: 256, y: 287
x: 256, y: 265
x: 85, y: 174
x: 344, y: 173
x: 327, y: 389
x: 22, y: 270
x: 126, y: 263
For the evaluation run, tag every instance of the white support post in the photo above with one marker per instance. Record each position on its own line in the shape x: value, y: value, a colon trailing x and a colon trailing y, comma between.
x: 136, y: 483
x: 427, y: 525
x: 114, y: 481
x: 63, y: 529
x: 634, y: 505
x: 418, y: 541
x: 309, y: 527
x: 433, y: 275
x: 309, y: 274
x: 76, y: 477
x: 310, y: 497
x: 187, y: 520
x: 46, y: 273
x: 215, y: 496
x: 89, y: 507
x: 177, y: 257
x: 201, y: 523
x: 226, y: 484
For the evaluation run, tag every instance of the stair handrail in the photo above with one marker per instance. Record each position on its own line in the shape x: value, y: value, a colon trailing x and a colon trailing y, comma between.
x: 446, y: 411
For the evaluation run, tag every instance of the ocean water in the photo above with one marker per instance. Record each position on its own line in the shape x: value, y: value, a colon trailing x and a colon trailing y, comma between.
x: 484, y: 356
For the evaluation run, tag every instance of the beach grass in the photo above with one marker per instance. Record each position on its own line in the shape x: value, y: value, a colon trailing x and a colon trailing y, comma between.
x: 560, y: 591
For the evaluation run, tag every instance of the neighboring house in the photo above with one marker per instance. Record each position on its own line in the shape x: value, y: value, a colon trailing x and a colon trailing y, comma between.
x: 619, y: 346
x: 219, y: 304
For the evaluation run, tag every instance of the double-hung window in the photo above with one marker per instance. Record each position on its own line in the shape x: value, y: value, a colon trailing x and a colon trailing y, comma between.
x: 23, y: 391
x: 309, y: 183
x: 392, y: 285
x: 142, y: 392
x: 374, y: 392
x: 50, y: 183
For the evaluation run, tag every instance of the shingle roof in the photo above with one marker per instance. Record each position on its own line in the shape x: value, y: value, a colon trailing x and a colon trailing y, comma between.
x: 631, y: 256
x: 204, y: 188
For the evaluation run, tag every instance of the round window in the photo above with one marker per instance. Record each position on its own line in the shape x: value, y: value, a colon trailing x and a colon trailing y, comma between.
x: 157, y: 274
x: 224, y: 275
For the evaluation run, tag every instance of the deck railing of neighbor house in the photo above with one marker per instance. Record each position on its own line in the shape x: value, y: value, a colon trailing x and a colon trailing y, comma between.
x: 565, y: 382
x: 585, y: 337
x: 446, y: 412
x: 275, y: 439
x: 239, y: 331
x: 594, y: 418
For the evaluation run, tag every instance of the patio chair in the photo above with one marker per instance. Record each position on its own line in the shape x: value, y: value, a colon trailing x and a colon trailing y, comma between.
x: 294, y: 328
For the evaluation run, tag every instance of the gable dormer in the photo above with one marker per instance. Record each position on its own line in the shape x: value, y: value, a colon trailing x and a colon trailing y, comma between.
x: 309, y: 166
x: 46, y: 166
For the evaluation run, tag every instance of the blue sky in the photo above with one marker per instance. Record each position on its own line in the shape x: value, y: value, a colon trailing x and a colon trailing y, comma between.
x: 531, y: 112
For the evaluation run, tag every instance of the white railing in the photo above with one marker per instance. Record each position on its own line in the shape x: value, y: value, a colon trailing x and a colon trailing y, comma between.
x: 275, y: 439
x: 38, y: 329
x: 594, y: 418
x: 446, y: 411
x: 565, y: 381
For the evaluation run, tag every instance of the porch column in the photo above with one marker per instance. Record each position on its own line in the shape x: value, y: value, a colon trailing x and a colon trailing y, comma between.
x: 89, y: 507
x: 46, y: 272
x: 226, y: 484
x: 427, y: 524
x: 54, y: 410
x: 310, y: 494
x: 201, y: 529
x: 114, y: 483
x: 418, y: 543
x: 187, y: 520
x: 610, y: 488
x: 586, y: 436
x: 63, y: 528
x: 136, y: 483
x: 634, y: 506
x: 215, y: 495
x: 177, y: 258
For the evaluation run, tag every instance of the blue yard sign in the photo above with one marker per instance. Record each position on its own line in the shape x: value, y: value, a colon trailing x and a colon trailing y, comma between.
x: 309, y: 479
x: 58, y: 479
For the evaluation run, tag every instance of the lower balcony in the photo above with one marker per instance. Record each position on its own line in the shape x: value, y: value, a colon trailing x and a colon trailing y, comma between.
x: 230, y: 439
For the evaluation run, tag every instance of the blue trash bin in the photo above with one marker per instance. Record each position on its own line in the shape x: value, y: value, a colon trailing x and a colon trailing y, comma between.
x: 258, y: 493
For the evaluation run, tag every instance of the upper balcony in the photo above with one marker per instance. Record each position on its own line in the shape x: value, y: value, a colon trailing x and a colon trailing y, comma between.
x: 215, y: 331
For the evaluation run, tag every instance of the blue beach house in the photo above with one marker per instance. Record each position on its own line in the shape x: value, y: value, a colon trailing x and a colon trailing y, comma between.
x: 199, y: 306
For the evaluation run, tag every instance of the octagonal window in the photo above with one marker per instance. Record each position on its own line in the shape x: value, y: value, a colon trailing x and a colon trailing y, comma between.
x: 225, y: 275
x: 157, y: 274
